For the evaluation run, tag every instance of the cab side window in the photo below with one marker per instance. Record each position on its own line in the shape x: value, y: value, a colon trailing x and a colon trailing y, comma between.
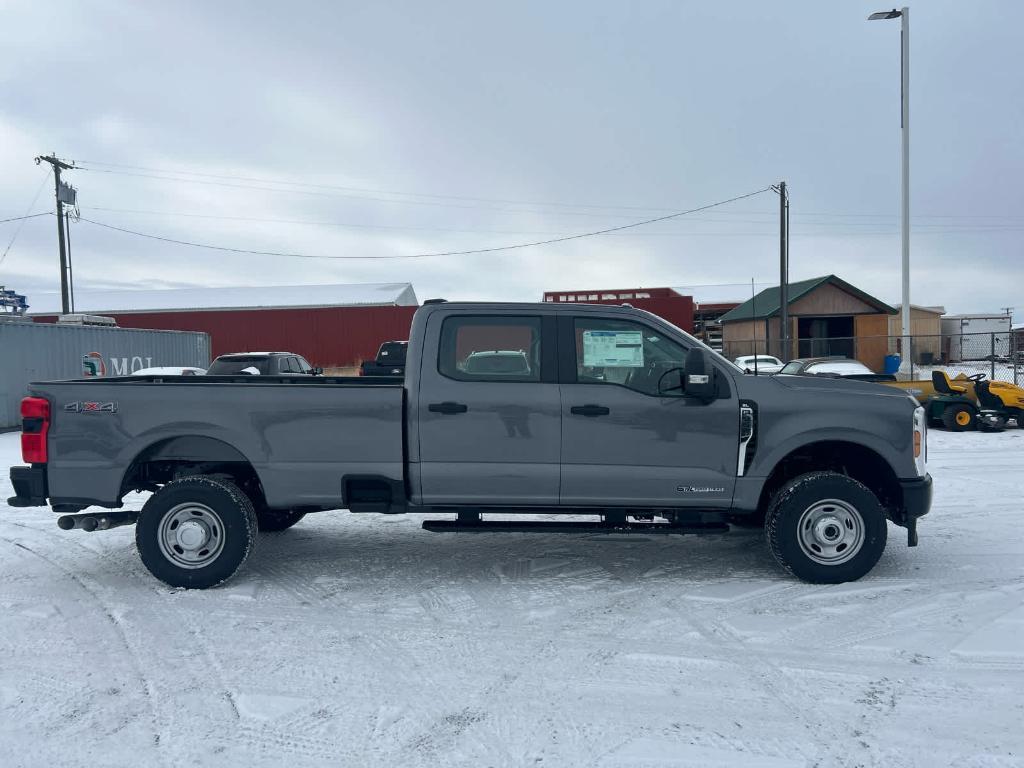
x: 490, y: 348
x: 624, y: 353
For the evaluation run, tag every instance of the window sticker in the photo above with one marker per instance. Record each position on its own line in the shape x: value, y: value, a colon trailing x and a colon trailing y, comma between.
x: 613, y: 349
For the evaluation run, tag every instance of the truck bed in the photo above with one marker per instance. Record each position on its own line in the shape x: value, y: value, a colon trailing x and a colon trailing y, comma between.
x: 301, y: 434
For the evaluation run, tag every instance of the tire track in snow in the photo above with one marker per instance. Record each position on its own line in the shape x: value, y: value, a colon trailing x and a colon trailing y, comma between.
x: 148, y: 691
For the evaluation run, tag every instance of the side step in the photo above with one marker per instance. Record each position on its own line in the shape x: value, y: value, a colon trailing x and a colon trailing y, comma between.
x: 569, y: 526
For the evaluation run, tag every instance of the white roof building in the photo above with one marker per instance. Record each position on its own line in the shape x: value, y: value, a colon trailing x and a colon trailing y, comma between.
x: 200, y: 299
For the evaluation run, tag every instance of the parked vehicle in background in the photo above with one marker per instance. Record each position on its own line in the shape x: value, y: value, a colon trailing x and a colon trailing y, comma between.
x: 169, y: 370
x: 390, y: 360
x: 263, y: 363
x: 838, y: 367
x: 758, y: 363
x: 507, y: 362
x: 581, y: 410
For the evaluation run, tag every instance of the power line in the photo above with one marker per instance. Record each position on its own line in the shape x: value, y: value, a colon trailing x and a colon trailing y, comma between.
x: 29, y: 216
x: 23, y: 219
x: 311, y: 222
x: 430, y: 255
x: 944, y: 227
x: 318, y: 193
x: 311, y: 185
x: 115, y: 168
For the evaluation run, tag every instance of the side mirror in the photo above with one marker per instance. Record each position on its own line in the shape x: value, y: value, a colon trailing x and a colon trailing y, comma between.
x: 317, y: 371
x: 699, y: 376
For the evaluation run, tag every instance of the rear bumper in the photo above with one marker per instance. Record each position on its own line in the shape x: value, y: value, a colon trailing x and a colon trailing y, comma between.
x: 29, y: 487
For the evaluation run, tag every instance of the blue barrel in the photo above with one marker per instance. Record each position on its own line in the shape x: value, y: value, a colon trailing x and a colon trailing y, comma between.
x: 892, y: 364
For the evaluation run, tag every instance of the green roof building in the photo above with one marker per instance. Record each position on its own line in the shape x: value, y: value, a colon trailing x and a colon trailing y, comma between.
x: 828, y: 316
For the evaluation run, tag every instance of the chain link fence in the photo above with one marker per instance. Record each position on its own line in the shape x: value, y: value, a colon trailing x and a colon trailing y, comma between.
x: 999, y: 355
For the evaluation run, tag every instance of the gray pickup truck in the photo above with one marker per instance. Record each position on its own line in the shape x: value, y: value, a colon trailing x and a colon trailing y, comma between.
x: 608, y: 414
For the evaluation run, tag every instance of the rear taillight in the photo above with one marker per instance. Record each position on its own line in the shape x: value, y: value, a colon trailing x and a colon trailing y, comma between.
x: 35, y: 425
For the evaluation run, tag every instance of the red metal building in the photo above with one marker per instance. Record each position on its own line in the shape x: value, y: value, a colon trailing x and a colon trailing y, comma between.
x: 664, y: 302
x: 330, y: 325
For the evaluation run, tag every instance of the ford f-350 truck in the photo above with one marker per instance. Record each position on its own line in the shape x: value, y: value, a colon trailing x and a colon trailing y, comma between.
x: 609, y: 414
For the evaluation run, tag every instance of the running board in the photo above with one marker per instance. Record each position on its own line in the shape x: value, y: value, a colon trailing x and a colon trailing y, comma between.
x: 568, y: 526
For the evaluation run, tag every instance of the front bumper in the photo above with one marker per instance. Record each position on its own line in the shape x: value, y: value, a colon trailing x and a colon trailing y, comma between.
x: 917, y: 500
x: 29, y: 487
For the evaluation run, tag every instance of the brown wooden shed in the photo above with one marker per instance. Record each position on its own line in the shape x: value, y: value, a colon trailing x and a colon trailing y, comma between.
x: 828, y: 316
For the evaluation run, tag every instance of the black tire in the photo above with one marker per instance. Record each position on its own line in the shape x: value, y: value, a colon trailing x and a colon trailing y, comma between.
x: 271, y: 520
x: 959, y: 417
x: 826, y: 497
x: 197, y: 506
x: 1020, y: 418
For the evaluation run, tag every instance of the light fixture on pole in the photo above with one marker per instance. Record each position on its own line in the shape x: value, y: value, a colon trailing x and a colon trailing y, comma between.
x: 904, y: 16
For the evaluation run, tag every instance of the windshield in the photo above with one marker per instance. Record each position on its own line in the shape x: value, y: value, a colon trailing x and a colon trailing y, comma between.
x: 392, y: 353
x: 232, y: 365
x: 693, y: 341
x: 792, y: 368
x: 842, y: 367
x: 498, y: 362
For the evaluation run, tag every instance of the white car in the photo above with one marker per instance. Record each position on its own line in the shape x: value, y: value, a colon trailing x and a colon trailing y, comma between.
x: 764, y: 363
x: 836, y: 366
x: 170, y: 370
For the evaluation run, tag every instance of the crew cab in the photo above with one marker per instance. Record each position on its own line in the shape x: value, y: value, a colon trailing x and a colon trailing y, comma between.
x: 608, y: 414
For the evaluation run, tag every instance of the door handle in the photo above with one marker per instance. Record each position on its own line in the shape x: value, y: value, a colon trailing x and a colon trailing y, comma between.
x: 590, y: 410
x: 447, y: 407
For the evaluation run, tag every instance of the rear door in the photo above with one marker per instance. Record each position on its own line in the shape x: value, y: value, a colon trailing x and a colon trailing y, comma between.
x: 625, y: 441
x: 489, y: 434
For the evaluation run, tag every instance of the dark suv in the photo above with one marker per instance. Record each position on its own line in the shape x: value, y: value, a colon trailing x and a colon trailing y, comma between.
x: 262, y: 363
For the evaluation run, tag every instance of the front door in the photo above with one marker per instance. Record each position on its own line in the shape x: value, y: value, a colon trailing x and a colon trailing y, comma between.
x: 626, y: 442
x: 489, y: 412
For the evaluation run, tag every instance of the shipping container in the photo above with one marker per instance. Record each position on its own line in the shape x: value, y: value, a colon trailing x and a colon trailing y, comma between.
x: 46, y: 351
x: 975, y: 337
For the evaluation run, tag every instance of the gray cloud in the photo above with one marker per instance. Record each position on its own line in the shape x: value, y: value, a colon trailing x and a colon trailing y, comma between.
x: 656, y: 105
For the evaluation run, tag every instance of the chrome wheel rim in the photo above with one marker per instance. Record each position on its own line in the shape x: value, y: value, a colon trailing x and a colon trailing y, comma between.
x: 831, y: 532
x: 191, y: 535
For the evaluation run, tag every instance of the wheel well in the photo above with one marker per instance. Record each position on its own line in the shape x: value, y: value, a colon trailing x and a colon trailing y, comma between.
x: 176, y: 457
x: 850, y: 459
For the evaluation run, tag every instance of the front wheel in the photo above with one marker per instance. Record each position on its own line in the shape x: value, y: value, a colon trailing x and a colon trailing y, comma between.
x: 826, y: 528
x: 196, y: 532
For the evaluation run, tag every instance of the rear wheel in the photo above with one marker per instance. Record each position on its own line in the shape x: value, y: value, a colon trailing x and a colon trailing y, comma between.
x: 196, y: 532
x: 826, y: 528
x: 959, y: 417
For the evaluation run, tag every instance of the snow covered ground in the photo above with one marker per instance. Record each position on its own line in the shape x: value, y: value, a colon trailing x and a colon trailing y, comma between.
x: 366, y: 641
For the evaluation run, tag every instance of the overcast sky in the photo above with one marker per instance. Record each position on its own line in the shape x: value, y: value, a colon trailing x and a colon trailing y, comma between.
x: 412, y: 127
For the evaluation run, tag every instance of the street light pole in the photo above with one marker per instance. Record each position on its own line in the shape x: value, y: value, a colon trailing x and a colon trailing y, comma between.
x: 904, y: 16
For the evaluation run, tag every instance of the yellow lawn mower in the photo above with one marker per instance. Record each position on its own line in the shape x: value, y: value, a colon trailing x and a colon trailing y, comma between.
x: 992, y: 405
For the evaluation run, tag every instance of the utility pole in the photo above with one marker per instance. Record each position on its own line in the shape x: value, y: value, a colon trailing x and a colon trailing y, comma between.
x: 783, y: 270
x: 61, y: 195
x: 903, y: 14
x: 905, y: 181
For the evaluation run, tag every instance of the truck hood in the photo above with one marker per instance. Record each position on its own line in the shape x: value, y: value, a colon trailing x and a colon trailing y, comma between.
x: 839, y: 386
